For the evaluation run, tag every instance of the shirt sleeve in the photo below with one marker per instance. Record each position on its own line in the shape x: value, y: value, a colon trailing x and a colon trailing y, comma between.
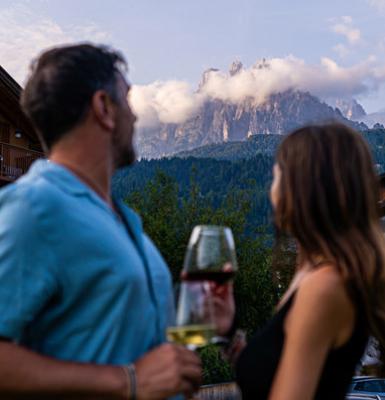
x: 27, y: 279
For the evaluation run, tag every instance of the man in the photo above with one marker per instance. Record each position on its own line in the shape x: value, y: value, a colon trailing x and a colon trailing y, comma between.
x: 83, y: 291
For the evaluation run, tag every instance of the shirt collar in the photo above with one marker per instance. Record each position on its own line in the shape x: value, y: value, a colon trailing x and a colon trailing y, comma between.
x: 65, y: 180
x: 58, y: 175
x: 131, y: 218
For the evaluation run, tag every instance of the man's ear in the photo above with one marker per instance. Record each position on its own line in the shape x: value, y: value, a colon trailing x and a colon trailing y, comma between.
x: 103, y: 109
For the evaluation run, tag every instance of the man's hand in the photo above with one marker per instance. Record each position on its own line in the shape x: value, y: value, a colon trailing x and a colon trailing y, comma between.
x: 168, y: 370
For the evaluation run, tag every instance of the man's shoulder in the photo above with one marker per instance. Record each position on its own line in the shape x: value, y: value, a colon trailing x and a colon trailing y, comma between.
x: 38, y: 190
x: 26, y: 200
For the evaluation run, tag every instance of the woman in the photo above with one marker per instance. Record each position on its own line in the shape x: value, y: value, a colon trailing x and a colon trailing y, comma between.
x: 323, y: 195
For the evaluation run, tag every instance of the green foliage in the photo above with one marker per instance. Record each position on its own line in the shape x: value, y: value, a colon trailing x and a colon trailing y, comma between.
x: 215, y: 369
x: 254, y: 289
x: 217, y: 181
x: 169, y: 219
x: 376, y: 141
x: 283, y: 262
x: 159, y: 207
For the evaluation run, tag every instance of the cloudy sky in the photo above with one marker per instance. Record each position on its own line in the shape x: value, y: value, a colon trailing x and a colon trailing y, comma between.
x: 331, y: 48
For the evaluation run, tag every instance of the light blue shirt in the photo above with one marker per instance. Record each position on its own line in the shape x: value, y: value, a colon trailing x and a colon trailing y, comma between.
x: 75, y: 282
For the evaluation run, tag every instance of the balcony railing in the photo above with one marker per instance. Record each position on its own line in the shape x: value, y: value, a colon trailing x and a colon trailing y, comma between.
x: 15, y: 161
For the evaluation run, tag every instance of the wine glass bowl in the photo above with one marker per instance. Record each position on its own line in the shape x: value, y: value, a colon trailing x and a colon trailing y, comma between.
x: 210, y: 255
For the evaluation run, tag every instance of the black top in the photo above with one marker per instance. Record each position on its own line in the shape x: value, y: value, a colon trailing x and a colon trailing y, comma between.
x: 258, y: 362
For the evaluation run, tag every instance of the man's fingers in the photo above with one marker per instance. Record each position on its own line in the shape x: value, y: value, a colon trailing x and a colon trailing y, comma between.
x: 168, y: 370
x: 189, y: 357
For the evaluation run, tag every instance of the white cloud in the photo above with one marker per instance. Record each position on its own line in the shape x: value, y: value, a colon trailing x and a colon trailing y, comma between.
x: 378, y: 4
x: 341, y: 50
x: 167, y: 102
x: 327, y: 79
x: 344, y: 26
x: 174, y: 101
x: 24, y: 34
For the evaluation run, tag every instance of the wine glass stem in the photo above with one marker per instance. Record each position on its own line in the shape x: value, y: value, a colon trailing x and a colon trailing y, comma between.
x: 191, y: 347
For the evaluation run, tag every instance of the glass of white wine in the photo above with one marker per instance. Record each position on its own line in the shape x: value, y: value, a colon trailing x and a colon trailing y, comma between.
x: 210, y: 260
x: 194, y: 326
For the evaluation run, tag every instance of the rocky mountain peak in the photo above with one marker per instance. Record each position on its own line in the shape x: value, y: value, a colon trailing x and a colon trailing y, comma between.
x: 235, y: 67
x: 205, y: 76
x: 350, y: 109
x: 262, y: 64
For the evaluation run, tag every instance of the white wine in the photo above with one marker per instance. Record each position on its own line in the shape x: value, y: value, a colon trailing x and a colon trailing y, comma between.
x: 192, y: 336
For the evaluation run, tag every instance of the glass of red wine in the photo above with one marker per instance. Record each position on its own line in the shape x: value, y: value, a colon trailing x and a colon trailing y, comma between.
x: 209, y: 260
x: 210, y: 255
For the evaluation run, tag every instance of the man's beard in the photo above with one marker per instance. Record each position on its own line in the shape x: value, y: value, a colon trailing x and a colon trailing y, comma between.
x: 124, y: 158
x: 124, y: 154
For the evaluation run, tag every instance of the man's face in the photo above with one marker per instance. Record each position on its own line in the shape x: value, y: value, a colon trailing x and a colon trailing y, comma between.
x: 123, y: 147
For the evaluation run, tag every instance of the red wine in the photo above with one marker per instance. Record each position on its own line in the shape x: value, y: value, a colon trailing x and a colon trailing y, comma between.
x: 219, y: 277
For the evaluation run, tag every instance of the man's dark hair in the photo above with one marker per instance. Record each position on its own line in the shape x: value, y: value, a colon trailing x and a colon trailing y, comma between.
x: 62, y: 82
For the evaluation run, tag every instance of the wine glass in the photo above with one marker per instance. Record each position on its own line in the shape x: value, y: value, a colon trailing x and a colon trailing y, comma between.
x: 194, y: 326
x: 210, y: 255
x: 210, y: 259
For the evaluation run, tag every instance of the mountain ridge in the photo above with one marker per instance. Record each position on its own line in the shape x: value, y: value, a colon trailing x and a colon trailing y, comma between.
x: 268, y: 144
x: 219, y: 121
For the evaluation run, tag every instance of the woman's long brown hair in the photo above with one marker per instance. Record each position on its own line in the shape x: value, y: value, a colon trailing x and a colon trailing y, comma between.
x: 329, y: 203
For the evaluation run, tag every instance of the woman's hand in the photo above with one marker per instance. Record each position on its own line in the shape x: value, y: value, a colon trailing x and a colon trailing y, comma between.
x: 235, y: 348
x: 223, y: 306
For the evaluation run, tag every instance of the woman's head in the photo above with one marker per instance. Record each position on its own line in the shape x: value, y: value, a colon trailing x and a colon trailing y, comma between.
x: 324, y: 186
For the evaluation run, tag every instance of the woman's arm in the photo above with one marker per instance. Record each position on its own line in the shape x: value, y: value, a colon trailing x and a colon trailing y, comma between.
x: 321, y: 318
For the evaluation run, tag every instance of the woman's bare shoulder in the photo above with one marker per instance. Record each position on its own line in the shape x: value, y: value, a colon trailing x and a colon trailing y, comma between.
x: 325, y: 283
x: 323, y: 290
x: 323, y: 294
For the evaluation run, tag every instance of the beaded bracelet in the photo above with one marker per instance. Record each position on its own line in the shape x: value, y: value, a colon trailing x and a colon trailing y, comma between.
x: 130, y: 372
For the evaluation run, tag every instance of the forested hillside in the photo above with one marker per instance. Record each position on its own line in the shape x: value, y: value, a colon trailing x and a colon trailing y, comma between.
x: 216, y: 179
x: 267, y: 144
